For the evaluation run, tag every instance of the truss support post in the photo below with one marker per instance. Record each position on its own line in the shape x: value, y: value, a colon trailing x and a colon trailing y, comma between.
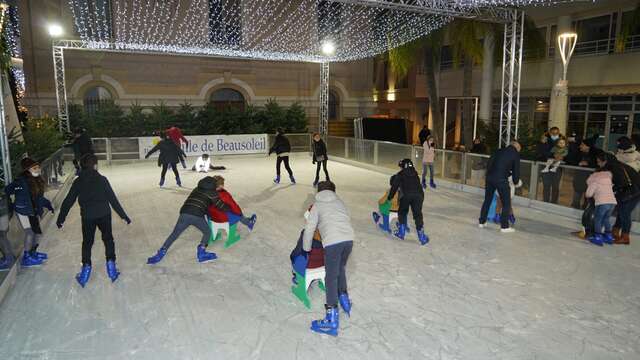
x: 323, y: 121
x: 5, y: 176
x: 61, y: 89
x: 511, y: 70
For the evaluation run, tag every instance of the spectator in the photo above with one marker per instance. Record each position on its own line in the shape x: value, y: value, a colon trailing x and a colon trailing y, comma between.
x: 424, y: 134
x: 479, y: 164
x: 587, y: 160
x: 627, y: 153
x: 544, y: 152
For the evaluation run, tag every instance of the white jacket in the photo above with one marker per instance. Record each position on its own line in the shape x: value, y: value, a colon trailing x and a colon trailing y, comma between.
x: 203, y: 165
x: 330, y: 216
x: 630, y: 157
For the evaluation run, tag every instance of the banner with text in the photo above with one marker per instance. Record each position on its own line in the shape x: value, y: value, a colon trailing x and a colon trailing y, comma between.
x: 212, y: 145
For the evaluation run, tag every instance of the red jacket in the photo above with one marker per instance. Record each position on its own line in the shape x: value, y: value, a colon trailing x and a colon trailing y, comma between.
x: 175, y: 135
x: 220, y: 216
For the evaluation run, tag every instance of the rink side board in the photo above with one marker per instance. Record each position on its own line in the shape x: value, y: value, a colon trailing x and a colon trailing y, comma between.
x: 213, y: 145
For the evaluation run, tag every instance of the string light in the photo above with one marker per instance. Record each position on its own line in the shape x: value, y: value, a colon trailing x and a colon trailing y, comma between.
x: 265, y: 29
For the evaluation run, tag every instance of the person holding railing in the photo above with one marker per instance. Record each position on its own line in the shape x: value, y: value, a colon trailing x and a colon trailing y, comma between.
x: 479, y: 164
x: 504, y: 163
x: 544, y: 152
x: 586, y: 158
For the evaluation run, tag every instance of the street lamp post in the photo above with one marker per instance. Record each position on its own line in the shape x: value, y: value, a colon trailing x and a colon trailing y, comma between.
x: 566, y: 45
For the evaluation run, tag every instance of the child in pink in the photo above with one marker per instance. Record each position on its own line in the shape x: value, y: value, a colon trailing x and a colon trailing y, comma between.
x: 428, y: 156
x: 600, y: 188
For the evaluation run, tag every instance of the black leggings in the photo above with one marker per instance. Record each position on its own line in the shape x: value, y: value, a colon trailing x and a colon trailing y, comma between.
x: 164, y: 170
x: 413, y: 201
x: 324, y: 166
x: 89, y: 234
x: 280, y: 160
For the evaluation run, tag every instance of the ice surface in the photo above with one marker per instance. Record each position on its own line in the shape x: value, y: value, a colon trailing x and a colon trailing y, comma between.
x: 468, y: 294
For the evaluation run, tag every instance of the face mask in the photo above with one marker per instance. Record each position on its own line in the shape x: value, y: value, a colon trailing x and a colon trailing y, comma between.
x: 555, y: 137
x: 35, y: 173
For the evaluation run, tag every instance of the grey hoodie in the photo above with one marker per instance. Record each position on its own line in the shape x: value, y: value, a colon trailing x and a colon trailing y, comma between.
x: 331, y: 218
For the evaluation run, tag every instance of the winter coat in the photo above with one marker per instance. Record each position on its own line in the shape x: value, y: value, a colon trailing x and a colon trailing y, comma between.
x: 319, y: 151
x: 175, y: 134
x: 95, y: 196
x: 24, y: 204
x: 170, y: 153
x: 203, y: 196
x: 428, y: 152
x: 281, y: 146
x: 504, y: 163
x: 600, y: 187
x: 220, y: 216
x: 202, y: 164
x: 423, y: 135
x: 559, y: 152
x: 630, y: 157
x: 316, y: 256
x: 620, y: 172
x: 330, y: 216
x: 407, y: 181
x: 81, y: 146
x: 580, y: 177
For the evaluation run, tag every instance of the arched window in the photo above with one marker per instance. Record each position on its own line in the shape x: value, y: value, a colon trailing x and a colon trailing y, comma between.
x: 334, y: 105
x: 227, y: 98
x: 95, y: 97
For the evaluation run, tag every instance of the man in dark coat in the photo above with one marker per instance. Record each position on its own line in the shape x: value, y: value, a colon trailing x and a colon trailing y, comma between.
x: 170, y: 155
x: 503, y: 164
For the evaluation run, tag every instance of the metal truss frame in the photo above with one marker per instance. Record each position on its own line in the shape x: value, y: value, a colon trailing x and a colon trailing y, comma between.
x: 323, y: 121
x: 511, y: 71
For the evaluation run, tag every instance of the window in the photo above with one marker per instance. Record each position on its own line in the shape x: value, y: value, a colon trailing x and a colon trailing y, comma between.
x: 95, y: 97
x: 632, y: 42
x: 227, y: 98
x: 94, y: 19
x: 334, y: 105
x: 224, y: 22
x: 594, y: 35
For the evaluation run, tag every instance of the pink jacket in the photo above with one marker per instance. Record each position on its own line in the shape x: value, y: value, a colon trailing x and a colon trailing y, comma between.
x: 600, y: 188
x: 429, y: 153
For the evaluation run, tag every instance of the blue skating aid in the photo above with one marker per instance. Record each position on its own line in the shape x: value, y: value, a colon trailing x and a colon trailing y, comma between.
x: 492, y: 209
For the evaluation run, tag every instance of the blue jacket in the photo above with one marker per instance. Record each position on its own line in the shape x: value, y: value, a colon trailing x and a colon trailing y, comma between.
x: 23, y: 204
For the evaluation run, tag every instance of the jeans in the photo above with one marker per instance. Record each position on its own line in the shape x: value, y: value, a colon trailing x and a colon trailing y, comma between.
x: 426, y: 166
x: 324, y: 166
x: 505, y: 195
x: 413, y: 201
x: 623, y: 219
x: 335, y: 260
x: 164, y: 171
x: 184, y: 221
x: 280, y: 160
x: 551, y: 186
x: 89, y: 234
x: 601, y: 218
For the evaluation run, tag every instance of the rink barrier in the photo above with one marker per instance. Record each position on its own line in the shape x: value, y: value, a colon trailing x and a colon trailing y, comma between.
x: 58, y: 175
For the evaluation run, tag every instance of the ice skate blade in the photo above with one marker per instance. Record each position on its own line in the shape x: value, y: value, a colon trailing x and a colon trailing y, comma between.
x: 482, y: 226
x: 332, y: 332
x: 508, y: 230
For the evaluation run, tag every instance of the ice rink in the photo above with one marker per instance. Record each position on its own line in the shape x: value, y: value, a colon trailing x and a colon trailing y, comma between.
x: 468, y: 294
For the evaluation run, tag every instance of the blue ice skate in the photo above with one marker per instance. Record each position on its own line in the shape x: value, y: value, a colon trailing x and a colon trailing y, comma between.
x: 345, y: 303
x: 178, y: 181
x: 6, y: 262
x: 157, y: 257
x: 608, y: 238
x: 596, y: 239
x: 112, y: 271
x: 293, y: 180
x: 83, y: 276
x: 422, y: 237
x: 161, y: 182
x: 432, y: 184
x: 402, y: 229
x: 329, y: 325
x: 424, y: 184
x: 204, y: 256
x: 376, y: 217
x: 276, y: 180
x: 39, y: 255
x: 29, y: 261
x: 252, y: 222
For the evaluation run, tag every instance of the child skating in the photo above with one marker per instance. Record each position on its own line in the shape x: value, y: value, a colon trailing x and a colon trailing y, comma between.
x: 428, y: 157
x: 600, y: 188
x: 282, y: 147
x: 29, y: 206
x: 385, y: 209
x: 319, y: 157
x: 96, y: 199
x: 193, y: 213
x: 412, y: 196
x: 234, y: 215
x: 330, y: 217
x: 203, y: 164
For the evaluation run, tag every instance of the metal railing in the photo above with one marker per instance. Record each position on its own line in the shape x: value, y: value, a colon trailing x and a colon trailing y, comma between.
x: 53, y: 169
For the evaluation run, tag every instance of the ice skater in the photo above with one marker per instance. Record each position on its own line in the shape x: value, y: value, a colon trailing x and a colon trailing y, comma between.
x: 330, y: 217
x: 600, y: 188
x: 504, y: 163
x: 407, y: 182
x: 81, y: 145
x: 319, y: 157
x: 203, y: 165
x: 170, y: 155
x: 428, y: 156
x: 385, y: 208
x: 282, y: 147
x: 175, y: 134
x: 96, y: 199
x: 29, y: 206
x: 234, y: 214
x: 193, y: 213
x: 5, y: 247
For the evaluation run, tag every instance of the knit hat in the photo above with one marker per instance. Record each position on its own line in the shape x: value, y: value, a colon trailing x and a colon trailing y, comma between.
x: 27, y: 163
x: 624, y: 143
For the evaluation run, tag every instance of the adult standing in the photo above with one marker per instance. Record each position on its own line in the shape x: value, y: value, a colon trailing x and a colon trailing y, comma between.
x: 550, y: 180
x: 282, y: 147
x: 424, y: 134
x: 479, y: 164
x: 175, y: 134
x: 81, y: 145
x: 627, y: 153
x: 586, y: 159
x: 320, y: 157
x: 626, y: 186
x: 170, y: 155
x: 503, y: 164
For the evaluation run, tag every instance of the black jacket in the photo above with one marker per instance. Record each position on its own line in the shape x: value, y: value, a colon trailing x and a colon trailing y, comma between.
x: 423, y: 135
x: 170, y: 153
x: 543, y: 150
x: 280, y: 145
x: 81, y: 145
x: 504, y: 163
x: 580, y: 177
x: 201, y: 197
x: 94, y: 194
x: 319, y: 150
x: 620, y: 172
x: 407, y: 181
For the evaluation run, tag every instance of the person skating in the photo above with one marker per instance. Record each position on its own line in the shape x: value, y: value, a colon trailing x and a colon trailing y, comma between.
x: 407, y: 182
x: 428, y: 157
x: 170, y: 155
x: 424, y: 134
x: 385, y: 208
x: 175, y: 134
x: 203, y: 164
x: 504, y: 163
x: 29, y: 206
x: 330, y: 217
x: 320, y: 157
x: 193, y: 213
x: 600, y: 188
x: 81, y: 145
x: 96, y: 199
x: 5, y: 247
x: 234, y: 214
x: 282, y: 147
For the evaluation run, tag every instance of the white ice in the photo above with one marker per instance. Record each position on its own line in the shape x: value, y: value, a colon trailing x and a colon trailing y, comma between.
x: 468, y: 294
